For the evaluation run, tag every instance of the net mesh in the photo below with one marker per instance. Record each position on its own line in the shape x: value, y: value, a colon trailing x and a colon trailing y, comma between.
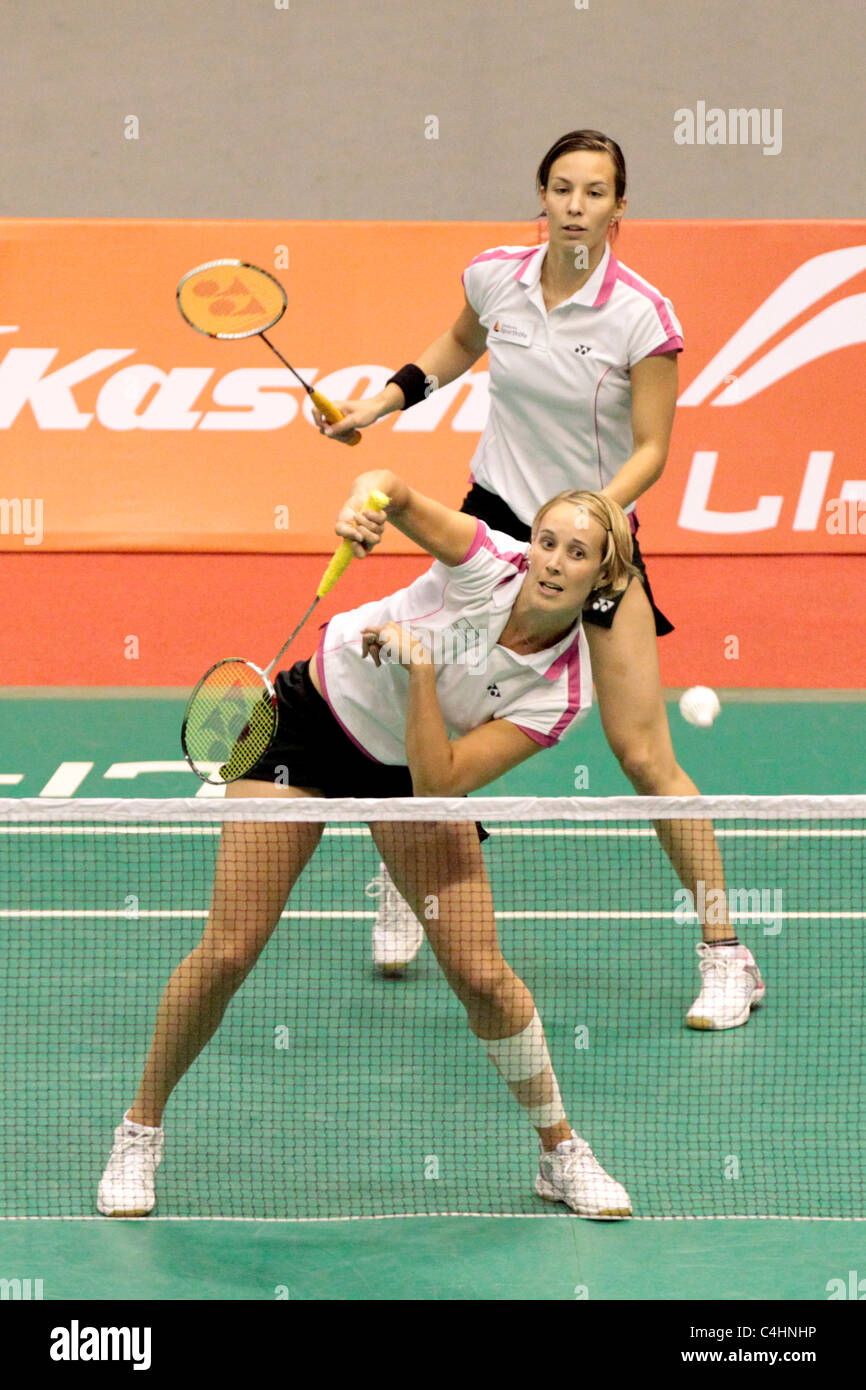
x: 330, y: 1091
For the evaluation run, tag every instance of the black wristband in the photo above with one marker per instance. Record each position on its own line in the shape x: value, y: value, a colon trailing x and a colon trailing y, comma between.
x: 412, y: 382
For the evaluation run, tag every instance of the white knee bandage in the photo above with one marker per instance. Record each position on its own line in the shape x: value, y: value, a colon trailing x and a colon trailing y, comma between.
x: 550, y: 1114
x: 522, y: 1057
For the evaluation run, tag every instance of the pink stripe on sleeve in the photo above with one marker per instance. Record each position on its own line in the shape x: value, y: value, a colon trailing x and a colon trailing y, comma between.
x: 674, y: 344
x: 517, y: 558
x: 655, y: 298
x: 477, y: 542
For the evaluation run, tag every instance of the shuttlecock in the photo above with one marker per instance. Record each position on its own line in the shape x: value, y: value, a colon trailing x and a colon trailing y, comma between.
x: 700, y: 706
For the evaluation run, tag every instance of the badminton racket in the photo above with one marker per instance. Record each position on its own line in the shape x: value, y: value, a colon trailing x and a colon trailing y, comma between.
x: 233, y: 299
x: 231, y: 716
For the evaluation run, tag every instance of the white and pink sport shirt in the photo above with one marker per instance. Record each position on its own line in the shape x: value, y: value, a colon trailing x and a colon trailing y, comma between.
x: 465, y: 607
x: 560, y: 392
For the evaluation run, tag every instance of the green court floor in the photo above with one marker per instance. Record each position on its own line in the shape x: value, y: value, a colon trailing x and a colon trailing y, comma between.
x: 435, y: 1258
x: 742, y: 1151
x: 129, y: 745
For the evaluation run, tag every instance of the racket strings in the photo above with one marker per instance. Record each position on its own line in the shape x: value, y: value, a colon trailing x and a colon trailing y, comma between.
x: 230, y: 721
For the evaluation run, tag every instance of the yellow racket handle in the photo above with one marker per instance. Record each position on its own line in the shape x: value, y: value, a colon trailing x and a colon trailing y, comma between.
x: 332, y: 414
x: 376, y: 502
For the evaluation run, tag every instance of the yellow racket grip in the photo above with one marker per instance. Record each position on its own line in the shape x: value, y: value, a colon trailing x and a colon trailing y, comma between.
x: 332, y: 415
x: 376, y: 502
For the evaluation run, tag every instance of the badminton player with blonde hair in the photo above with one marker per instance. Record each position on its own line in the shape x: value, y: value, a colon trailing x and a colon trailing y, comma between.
x: 583, y: 386
x: 382, y: 710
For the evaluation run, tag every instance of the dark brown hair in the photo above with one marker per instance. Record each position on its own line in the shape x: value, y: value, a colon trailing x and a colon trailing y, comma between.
x: 584, y: 140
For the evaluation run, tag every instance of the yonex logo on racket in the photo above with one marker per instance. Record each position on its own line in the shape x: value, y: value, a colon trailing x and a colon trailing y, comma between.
x: 228, y: 301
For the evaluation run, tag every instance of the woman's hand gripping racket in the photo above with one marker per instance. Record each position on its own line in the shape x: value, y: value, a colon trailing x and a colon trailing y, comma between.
x: 233, y: 299
x: 231, y: 717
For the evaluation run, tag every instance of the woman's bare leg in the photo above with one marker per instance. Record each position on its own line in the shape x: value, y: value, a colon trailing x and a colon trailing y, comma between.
x: 443, y: 861
x: 625, y: 669
x: 257, y: 865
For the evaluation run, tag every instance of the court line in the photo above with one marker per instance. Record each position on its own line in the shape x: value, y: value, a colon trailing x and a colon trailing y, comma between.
x: 426, y: 1215
x: 583, y: 915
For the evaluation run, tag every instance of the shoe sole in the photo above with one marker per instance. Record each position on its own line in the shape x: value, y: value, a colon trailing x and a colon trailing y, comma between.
x: 549, y: 1194
x: 708, y: 1025
x: 396, y: 967
x: 136, y: 1212
x: 388, y: 965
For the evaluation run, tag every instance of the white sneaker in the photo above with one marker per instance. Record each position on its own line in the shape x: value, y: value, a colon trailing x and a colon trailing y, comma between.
x: 731, y: 988
x: 397, y: 933
x: 127, y: 1185
x: 572, y: 1174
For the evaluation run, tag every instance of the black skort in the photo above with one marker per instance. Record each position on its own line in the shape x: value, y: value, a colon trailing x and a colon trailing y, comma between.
x: 311, y: 749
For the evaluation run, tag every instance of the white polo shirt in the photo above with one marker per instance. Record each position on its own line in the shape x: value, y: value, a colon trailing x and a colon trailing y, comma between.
x: 560, y: 392
x: 466, y: 607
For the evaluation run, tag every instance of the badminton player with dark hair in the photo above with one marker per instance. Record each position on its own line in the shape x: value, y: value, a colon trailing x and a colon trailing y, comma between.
x: 435, y: 690
x: 583, y: 387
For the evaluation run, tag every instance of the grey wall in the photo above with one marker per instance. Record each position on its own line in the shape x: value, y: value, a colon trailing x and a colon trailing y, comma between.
x: 318, y: 110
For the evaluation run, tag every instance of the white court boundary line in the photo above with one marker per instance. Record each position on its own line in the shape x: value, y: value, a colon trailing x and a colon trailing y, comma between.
x: 422, y: 1216
x: 298, y: 914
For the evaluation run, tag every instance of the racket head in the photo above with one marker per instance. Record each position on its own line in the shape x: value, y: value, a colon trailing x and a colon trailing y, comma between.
x: 230, y: 299
x: 230, y: 721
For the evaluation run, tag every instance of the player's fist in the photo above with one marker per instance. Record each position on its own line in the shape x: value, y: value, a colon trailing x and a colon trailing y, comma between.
x: 357, y: 415
x: 394, y: 642
x: 362, y: 527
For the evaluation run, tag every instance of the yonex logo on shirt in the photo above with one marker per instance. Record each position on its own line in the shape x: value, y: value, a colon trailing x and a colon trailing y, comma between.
x: 614, y: 321
x: 461, y: 611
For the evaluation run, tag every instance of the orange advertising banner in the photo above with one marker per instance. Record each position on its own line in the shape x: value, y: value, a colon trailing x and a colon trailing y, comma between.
x: 123, y: 429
